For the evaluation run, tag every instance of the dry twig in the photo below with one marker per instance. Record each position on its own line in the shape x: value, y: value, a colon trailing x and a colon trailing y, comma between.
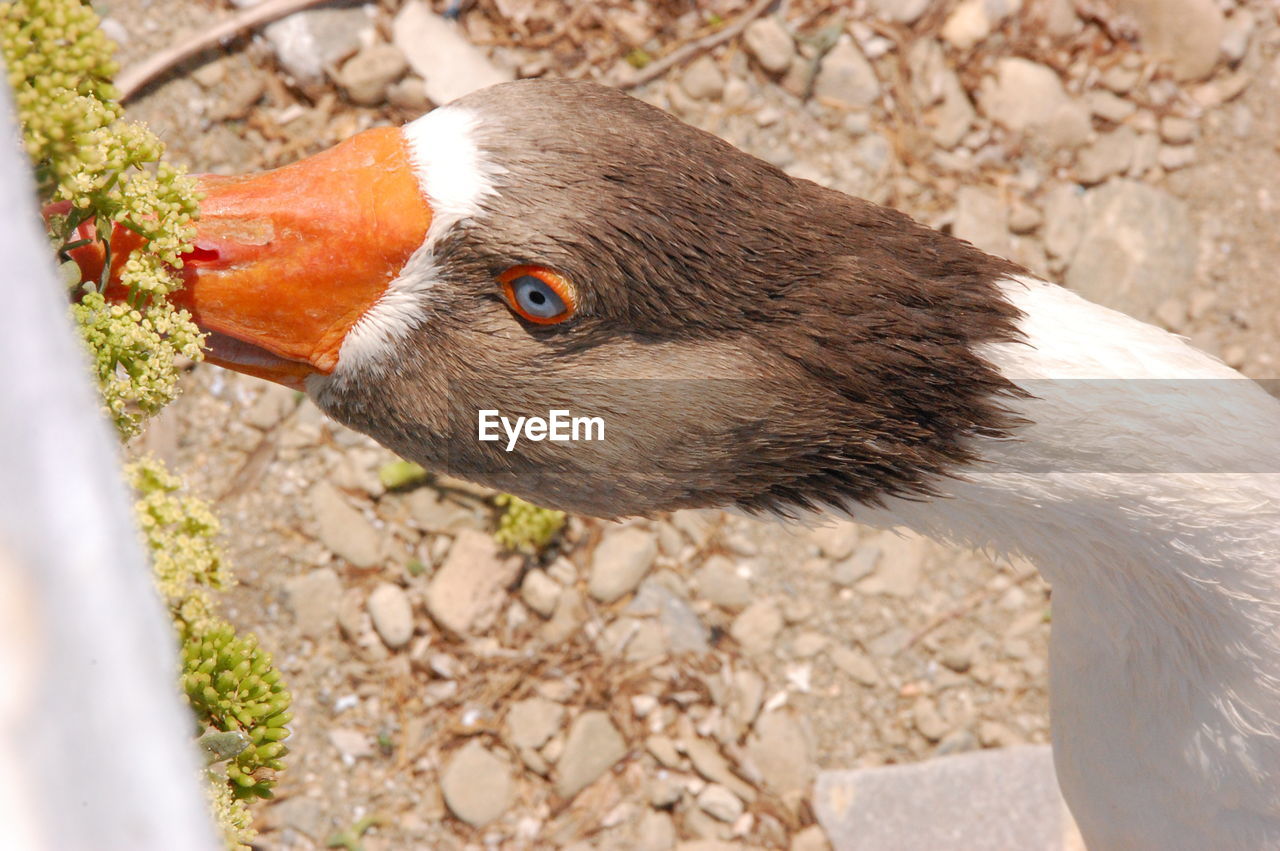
x: 695, y: 48
x: 130, y: 81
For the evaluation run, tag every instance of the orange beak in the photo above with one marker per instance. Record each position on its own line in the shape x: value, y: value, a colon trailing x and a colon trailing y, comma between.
x: 285, y: 262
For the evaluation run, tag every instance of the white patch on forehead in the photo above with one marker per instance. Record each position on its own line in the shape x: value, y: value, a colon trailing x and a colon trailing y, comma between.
x: 455, y: 179
x: 453, y: 173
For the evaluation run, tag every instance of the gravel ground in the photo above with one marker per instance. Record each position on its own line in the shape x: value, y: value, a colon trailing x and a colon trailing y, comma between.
x: 665, y: 683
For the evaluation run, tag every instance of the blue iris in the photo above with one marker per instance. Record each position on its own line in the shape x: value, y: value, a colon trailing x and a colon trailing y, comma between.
x: 536, y: 297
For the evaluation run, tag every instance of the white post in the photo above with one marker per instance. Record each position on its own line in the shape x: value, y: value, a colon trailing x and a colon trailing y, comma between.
x: 95, y: 747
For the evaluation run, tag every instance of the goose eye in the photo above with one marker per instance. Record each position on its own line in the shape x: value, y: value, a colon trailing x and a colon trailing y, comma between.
x: 538, y: 294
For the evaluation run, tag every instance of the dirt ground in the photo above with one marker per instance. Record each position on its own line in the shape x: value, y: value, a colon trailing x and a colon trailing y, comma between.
x: 784, y: 651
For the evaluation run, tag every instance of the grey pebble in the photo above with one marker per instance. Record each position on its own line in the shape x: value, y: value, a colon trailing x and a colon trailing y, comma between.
x: 392, y: 614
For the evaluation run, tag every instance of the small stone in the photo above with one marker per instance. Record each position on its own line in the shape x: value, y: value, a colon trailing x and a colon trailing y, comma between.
x: 810, y: 839
x: 304, y: 814
x: 902, y: 11
x: 1024, y: 218
x: 1060, y: 19
x: 1107, y: 106
x: 665, y: 791
x: 439, y: 52
x: 1187, y: 34
x: 982, y: 218
x: 1022, y: 94
x: 958, y: 659
x: 656, y: 831
x: 1110, y: 155
x: 470, y: 588
x: 1201, y: 302
x: 719, y: 803
x: 211, y: 75
x: 1236, y: 34
x: 477, y: 785
x: 1121, y: 78
x: 718, y: 582
x: 567, y: 619
x: 1235, y: 356
x: 1172, y: 313
x: 343, y: 530
x: 809, y: 644
x: 874, y: 153
x: 846, y: 77
x: 114, y: 30
x: 973, y: 20
x: 1138, y: 248
x: 836, y: 540
x: 307, y: 43
x: 314, y: 599
x: 643, y: 705
x: 901, y: 564
x: 678, y: 628
x: 1069, y: 127
x: 846, y: 573
x: 780, y: 754
x: 273, y: 404
x: 952, y: 120
x: 366, y: 76
x: 770, y: 44
x: 1146, y: 149
x: 531, y: 722
x: 711, y: 764
x: 351, y: 744
x: 703, y: 79
x: 648, y: 642
x: 593, y: 746
x: 635, y: 29
x: 664, y: 751
x: 1064, y: 219
x: 958, y: 741
x: 1176, y: 130
x: 757, y: 627
x: 620, y: 562
x: 856, y: 665
x: 993, y: 734
x: 392, y: 614
x: 696, y: 525
x: 409, y: 94
x: 1174, y: 157
x: 540, y: 592
x: 353, y: 616
x: 746, y: 698
x: 438, y: 514
x: 928, y: 722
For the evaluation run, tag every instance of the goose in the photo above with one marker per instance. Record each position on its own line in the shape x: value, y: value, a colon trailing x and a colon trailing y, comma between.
x: 759, y: 342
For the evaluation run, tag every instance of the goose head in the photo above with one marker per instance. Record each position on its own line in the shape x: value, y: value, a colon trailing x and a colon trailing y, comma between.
x: 746, y: 338
x: 754, y: 340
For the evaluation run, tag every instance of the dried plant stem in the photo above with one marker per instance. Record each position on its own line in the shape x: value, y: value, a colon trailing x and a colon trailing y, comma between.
x: 130, y: 81
x: 695, y: 48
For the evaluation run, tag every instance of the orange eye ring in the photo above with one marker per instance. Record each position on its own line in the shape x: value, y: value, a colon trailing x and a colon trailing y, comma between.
x: 519, y: 291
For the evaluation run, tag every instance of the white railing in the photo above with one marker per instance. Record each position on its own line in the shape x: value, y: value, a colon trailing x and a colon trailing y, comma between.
x: 95, y: 747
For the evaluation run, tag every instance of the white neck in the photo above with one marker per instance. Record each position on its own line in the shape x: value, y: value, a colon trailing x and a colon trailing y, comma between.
x: 1146, y: 487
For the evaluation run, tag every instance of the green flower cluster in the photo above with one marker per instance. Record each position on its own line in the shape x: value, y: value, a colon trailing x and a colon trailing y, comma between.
x: 524, y: 527
x: 180, y: 532
x: 230, y: 682
x: 132, y: 351
x: 59, y: 65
